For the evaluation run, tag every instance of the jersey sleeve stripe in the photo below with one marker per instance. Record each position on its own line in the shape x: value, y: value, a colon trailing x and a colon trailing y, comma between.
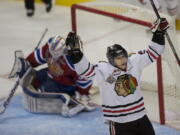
x: 91, y: 75
x: 39, y: 57
x: 42, y: 55
x: 151, y: 54
x: 84, y: 85
x: 154, y: 51
x: 82, y: 80
x: 90, y: 72
x: 86, y: 69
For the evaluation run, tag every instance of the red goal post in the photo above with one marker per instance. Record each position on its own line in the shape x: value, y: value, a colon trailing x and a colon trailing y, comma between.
x: 134, y: 21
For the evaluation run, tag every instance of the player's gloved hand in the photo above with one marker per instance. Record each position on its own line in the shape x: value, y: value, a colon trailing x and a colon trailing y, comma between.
x: 160, y: 25
x: 73, y: 41
x: 85, y: 100
x: 82, y: 98
x: 74, y: 45
x: 23, y: 65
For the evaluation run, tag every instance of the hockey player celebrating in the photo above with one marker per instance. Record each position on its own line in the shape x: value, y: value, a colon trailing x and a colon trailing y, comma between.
x: 57, y: 88
x: 119, y: 84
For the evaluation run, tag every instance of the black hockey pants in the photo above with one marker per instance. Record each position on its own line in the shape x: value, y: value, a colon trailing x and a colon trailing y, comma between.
x: 141, y: 126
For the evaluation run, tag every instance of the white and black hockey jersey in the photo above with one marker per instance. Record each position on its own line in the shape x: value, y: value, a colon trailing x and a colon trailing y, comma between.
x: 122, y: 100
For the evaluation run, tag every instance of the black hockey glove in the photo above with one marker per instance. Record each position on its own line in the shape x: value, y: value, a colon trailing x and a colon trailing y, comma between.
x: 73, y: 41
x: 75, y: 55
x: 74, y: 45
x: 160, y: 25
x: 159, y: 30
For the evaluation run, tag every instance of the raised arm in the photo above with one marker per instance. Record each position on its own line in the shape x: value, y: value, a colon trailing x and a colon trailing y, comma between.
x: 82, y: 65
x: 157, y: 44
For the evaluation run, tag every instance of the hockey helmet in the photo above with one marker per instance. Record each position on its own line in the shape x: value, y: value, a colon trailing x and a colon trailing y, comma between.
x: 114, y: 51
x: 57, y: 46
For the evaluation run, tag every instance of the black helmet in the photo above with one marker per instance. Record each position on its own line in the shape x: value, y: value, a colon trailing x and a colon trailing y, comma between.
x: 114, y: 51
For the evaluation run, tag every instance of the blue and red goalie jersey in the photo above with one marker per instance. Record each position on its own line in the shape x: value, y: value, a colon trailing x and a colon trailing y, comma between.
x: 61, y: 70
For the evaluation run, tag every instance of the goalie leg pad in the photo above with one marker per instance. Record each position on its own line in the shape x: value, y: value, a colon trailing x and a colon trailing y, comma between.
x: 54, y: 103
x: 44, y: 102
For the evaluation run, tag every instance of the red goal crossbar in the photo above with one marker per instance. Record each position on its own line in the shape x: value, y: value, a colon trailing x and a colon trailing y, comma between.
x: 134, y: 21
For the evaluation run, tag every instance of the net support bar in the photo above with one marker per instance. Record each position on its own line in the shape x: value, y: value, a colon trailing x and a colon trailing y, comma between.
x: 160, y: 91
x: 134, y: 21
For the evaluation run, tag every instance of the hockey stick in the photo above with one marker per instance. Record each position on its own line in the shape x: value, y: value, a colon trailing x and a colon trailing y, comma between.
x: 167, y: 35
x: 44, y: 33
x: 4, y: 105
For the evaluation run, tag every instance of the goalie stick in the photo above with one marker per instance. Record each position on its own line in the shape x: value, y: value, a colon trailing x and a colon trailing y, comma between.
x: 4, y: 105
x: 167, y: 35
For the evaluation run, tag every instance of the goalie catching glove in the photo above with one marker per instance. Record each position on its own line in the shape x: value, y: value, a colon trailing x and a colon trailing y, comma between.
x: 160, y: 25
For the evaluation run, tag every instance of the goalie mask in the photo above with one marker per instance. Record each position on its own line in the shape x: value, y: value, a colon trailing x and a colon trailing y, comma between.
x: 73, y: 41
x: 57, y: 46
x: 114, y: 51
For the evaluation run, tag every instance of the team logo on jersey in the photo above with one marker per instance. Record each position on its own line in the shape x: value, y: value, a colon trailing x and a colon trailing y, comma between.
x: 125, y: 85
x: 54, y: 68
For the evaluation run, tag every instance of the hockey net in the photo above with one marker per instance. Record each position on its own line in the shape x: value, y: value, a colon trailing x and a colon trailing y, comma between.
x: 112, y: 22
